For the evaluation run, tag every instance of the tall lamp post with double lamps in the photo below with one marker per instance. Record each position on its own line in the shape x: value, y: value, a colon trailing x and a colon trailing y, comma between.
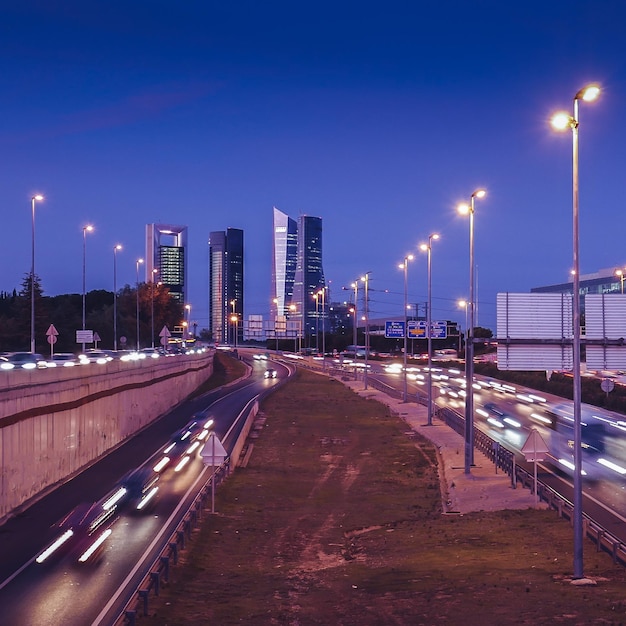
x: 563, y: 121
x: 115, y: 249
x: 37, y: 198
x: 366, y: 318
x: 428, y: 247
x: 139, y: 262
x: 86, y: 229
x: 404, y: 266
x: 468, y: 209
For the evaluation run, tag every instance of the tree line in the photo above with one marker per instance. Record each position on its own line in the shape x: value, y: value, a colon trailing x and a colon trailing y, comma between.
x: 65, y: 313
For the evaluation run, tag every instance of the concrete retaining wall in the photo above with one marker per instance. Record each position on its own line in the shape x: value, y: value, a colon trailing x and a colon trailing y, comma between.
x: 55, y: 422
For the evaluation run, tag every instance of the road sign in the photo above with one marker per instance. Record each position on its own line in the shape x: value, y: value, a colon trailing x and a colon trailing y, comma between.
x: 52, y: 339
x: 213, y: 452
x: 394, y: 330
x: 607, y: 385
x: 165, y: 332
x: 84, y: 336
x: 535, y: 448
x: 52, y: 331
x: 416, y: 329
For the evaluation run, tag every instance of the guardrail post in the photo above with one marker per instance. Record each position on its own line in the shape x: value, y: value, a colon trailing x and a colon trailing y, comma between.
x: 143, y: 594
x: 166, y: 567
x: 155, y: 581
x: 130, y: 616
x: 180, y: 537
x: 174, y: 549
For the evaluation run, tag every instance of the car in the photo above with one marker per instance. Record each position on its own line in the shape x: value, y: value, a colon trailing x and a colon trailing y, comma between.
x: 270, y: 373
x: 152, y: 353
x: 95, y: 356
x: 27, y: 360
x: 5, y: 364
x: 63, y: 359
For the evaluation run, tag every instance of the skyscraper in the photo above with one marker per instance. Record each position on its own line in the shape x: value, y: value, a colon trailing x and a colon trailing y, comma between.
x: 309, y: 278
x: 284, y: 260
x: 226, y: 285
x: 166, y: 252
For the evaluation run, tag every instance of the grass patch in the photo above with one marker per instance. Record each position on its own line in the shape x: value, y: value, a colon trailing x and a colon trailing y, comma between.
x: 337, y: 520
x: 225, y: 370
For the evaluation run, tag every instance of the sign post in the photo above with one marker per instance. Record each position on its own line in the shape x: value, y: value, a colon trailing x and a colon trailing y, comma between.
x: 52, y: 333
x: 535, y: 449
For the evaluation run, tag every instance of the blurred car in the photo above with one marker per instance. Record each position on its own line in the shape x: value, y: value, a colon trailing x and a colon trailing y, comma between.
x: 27, y: 360
x: 63, y: 359
x: 5, y: 364
x: 270, y: 373
x: 152, y: 353
x: 95, y: 356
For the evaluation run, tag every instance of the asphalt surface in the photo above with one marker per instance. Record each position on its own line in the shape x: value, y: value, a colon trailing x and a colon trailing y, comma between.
x: 482, y: 489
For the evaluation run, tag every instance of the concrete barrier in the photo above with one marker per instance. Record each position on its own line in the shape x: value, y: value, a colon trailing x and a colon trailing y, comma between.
x: 55, y: 422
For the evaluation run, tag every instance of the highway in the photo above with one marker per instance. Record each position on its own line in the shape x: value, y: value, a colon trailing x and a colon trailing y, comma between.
x: 60, y: 591
x: 507, y: 414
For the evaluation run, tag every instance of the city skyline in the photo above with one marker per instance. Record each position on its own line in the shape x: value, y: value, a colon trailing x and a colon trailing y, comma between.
x: 380, y: 122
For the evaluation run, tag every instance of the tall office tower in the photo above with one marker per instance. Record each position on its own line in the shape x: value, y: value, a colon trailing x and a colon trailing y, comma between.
x: 309, y: 278
x: 284, y: 259
x: 226, y: 285
x: 166, y: 252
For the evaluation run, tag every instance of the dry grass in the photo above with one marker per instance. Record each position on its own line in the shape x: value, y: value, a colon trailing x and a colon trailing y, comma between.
x: 337, y: 520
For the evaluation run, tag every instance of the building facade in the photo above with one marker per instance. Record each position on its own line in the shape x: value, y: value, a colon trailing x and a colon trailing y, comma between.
x: 166, y: 258
x: 226, y: 283
x: 284, y: 260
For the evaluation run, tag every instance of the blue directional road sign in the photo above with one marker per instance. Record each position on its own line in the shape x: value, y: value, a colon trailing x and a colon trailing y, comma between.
x: 394, y: 330
x: 416, y: 329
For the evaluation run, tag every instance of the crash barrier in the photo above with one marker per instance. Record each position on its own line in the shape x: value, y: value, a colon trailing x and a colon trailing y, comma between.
x: 159, y: 571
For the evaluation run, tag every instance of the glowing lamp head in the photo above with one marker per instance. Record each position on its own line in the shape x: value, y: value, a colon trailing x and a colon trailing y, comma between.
x: 561, y: 121
x: 588, y: 93
x: 38, y: 197
x: 463, y: 208
x: 423, y: 247
x: 479, y: 193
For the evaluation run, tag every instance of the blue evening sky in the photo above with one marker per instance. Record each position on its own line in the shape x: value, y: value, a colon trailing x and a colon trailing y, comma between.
x: 377, y: 117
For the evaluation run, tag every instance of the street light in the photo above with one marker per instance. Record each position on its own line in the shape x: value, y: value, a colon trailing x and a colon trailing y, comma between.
x: 428, y: 248
x: 154, y: 272
x: 322, y: 293
x: 462, y: 304
x: 469, y: 340
x: 298, y: 340
x: 115, y: 249
x: 404, y: 266
x: 37, y: 198
x: 233, y: 304
x: 275, y: 301
x: 234, y: 319
x: 355, y: 286
x: 563, y: 121
x: 139, y: 262
x: 188, y: 310
x: 366, y: 280
x: 86, y: 229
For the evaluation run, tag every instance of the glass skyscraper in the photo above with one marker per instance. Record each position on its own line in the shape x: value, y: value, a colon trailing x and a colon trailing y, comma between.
x: 226, y: 285
x: 166, y: 252
x: 297, y: 274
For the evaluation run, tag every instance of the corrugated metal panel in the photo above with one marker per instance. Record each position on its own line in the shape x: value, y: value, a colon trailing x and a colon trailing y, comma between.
x: 535, y: 358
x: 605, y: 316
x: 606, y: 358
x: 534, y: 316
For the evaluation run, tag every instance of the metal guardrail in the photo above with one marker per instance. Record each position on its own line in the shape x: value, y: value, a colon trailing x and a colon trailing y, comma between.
x: 138, y: 605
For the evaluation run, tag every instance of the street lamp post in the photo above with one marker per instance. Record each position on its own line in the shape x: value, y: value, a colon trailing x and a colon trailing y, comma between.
x: 37, y: 198
x: 469, y: 340
x: 139, y: 262
x: 322, y: 294
x: 188, y: 311
x: 115, y: 249
x: 293, y: 308
x: 366, y: 280
x: 233, y: 304
x: 275, y: 301
x: 154, y: 272
x: 86, y: 229
x: 563, y: 121
x: 355, y: 286
x: 404, y: 266
x: 463, y: 305
x: 429, y: 324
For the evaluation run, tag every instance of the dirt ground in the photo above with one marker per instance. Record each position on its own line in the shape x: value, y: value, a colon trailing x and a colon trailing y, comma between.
x: 337, y: 520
